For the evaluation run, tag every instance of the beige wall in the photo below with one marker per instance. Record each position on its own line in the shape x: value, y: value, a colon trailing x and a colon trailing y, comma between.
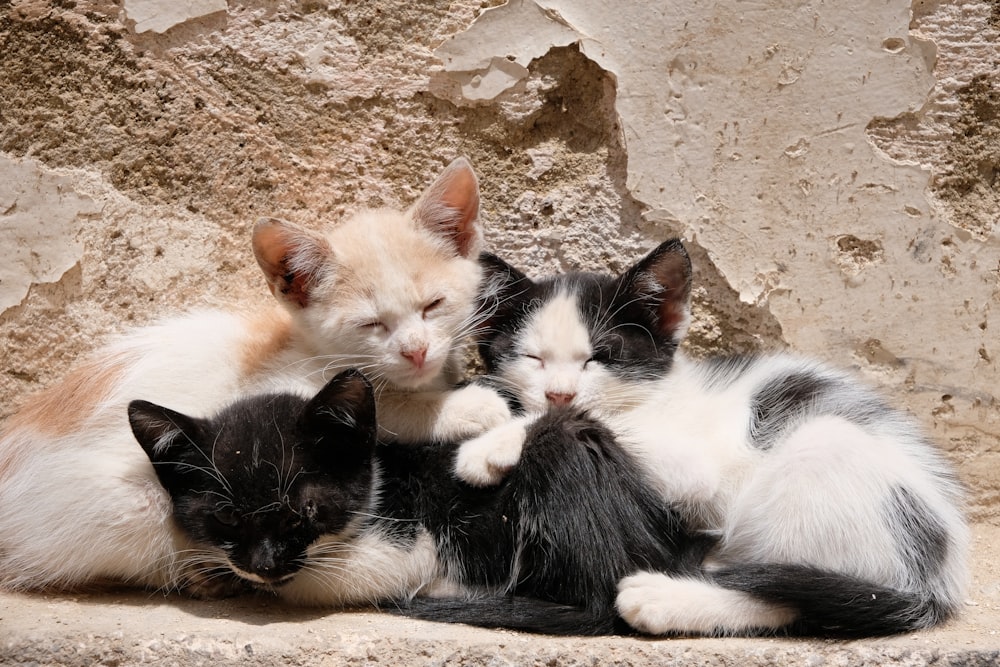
x: 831, y: 165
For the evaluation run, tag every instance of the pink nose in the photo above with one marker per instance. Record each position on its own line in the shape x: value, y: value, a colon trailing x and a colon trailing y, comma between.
x: 559, y: 397
x: 416, y: 357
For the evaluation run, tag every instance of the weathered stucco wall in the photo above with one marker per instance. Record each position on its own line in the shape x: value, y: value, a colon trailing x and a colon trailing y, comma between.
x: 832, y: 166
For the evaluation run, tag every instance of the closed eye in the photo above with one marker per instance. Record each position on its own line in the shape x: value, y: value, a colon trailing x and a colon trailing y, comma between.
x: 372, y: 325
x: 227, y: 517
x: 430, y: 307
x: 536, y: 359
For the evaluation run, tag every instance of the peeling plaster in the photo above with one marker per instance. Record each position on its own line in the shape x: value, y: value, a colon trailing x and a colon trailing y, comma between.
x: 750, y: 128
x: 159, y: 16
x: 517, y: 33
x: 38, y: 212
x: 745, y: 128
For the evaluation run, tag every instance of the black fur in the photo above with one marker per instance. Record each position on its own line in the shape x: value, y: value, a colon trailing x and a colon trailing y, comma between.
x: 925, y: 540
x: 833, y: 605
x: 573, y: 518
x: 543, y: 551
x: 780, y: 402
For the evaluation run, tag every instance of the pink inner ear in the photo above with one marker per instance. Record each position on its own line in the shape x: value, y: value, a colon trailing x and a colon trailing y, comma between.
x: 672, y: 317
x: 672, y: 272
x: 270, y: 245
x: 462, y: 196
x: 274, y: 244
x: 450, y: 207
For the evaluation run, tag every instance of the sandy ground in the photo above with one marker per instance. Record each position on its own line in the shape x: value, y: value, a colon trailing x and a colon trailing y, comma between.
x: 130, y: 627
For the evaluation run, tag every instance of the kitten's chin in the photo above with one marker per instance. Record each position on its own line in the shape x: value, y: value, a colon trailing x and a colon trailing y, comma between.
x: 417, y: 378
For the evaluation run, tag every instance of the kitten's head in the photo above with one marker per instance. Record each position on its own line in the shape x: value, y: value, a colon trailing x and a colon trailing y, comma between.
x: 588, y: 340
x: 268, y: 475
x: 390, y: 292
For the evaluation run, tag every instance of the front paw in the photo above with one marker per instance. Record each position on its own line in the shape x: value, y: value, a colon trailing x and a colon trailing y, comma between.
x: 486, y: 460
x: 471, y: 411
x: 645, y: 601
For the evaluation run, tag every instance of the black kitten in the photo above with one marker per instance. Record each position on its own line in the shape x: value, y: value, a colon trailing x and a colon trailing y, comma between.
x: 297, y: 496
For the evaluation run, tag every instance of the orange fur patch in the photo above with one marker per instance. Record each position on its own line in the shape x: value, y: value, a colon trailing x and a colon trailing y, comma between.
x: 62, y: 408
x: 268, y: 334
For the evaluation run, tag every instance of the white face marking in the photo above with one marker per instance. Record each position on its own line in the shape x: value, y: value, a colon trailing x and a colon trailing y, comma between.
x: 557, y: 333
x: 555, y: 364
x: 554, y: 349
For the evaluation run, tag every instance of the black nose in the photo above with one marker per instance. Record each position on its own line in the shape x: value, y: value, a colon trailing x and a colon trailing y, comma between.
x: 264, y: 560
x: 272, y: 563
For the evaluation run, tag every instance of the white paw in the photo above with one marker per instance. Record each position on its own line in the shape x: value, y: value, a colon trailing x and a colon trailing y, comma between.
x: 644, y: 601
x: 471, y: 411
x: 659, y: 604
x: 486, y: 460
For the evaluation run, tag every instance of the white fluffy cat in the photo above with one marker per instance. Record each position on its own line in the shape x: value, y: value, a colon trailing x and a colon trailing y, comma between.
x: 388, y: 292
x: 834, y: 512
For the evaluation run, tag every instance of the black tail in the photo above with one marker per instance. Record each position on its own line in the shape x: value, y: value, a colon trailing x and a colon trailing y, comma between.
x: 835, y: 605
x: 515, y: 613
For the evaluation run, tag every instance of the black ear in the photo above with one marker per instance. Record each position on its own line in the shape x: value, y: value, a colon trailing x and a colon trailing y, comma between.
x: 342, y: 415
x: 162, y: 432
x: 168, y: 438
x: 661, y: 281
x: 501, y: 293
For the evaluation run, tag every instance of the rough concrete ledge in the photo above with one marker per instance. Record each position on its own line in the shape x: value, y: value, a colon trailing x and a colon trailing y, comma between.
x: 137, y: 628
x: 133, y: 628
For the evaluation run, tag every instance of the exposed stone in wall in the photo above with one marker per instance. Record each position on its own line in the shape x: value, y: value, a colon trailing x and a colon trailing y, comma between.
x: 957, y: 131
x: 830, y: 166
x: 161, y: 16
x: 38, y: 212
x: 748, y: 130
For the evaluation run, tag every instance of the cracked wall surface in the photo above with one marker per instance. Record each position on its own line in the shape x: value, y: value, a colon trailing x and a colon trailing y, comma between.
x: 832, y: 167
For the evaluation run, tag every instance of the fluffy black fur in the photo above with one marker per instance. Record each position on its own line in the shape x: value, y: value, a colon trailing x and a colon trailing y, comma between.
x: 550, y: 544
x: 265, y: 477
x: 831, y: 604
x: 541, y: 552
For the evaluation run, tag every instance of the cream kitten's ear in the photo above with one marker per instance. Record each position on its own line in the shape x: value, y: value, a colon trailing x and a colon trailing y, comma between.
x: 293, y: 259
x: 450, y: 208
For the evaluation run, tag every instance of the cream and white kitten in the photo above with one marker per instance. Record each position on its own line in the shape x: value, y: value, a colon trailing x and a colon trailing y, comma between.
x: 834, y: 513
x: 392, y: 293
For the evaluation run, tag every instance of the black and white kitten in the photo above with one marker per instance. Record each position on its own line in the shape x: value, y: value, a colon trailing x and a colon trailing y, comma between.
x: 297, y: 495
x: 833, y: 511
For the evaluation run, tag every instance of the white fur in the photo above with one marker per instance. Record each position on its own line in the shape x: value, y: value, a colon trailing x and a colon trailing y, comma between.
x: 365, y: 569
x: 79, y: 500
x: 816, y: 497
x: 555, y: 357
x: 655, y: 603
